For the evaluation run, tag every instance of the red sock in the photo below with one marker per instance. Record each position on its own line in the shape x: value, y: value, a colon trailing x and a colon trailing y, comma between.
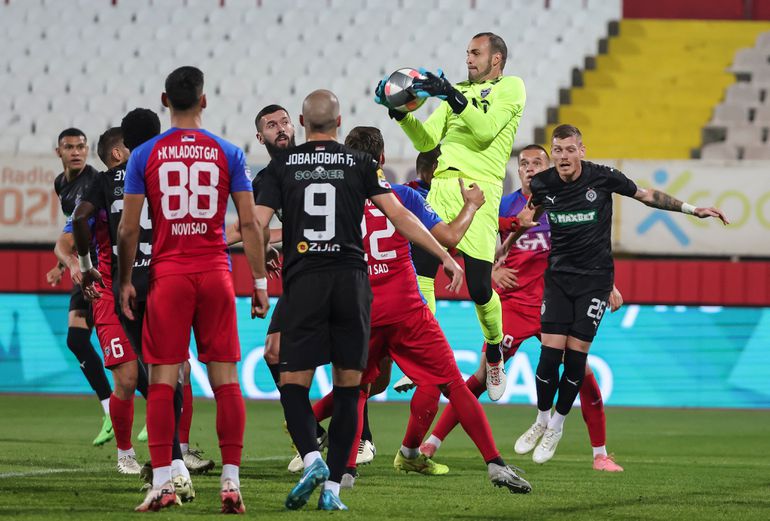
x: 592, y: 407
x: 423, y: 409
x: 362, y: 397
x: 185, y: 420
x: 448, y: 419
x: 323, y: 408
x: 160, y: 423
x: 231, y: 422
x: 473, y: 419
x: 122, y: 416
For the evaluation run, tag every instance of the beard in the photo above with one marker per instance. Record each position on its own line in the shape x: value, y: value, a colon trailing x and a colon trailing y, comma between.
x: 273, y: 149
x: 480, y: 73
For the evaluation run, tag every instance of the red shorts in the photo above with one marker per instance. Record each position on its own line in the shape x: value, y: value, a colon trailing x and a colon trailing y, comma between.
x: 419, y: 347
x: 113, y: 340
x: 519, y: 323
x: 202, y: 301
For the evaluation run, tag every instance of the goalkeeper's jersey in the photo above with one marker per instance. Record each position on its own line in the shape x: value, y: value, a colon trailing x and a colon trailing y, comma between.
x: 478, y: 141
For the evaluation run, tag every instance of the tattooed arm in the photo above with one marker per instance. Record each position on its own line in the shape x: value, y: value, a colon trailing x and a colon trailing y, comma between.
x: 657, y: 199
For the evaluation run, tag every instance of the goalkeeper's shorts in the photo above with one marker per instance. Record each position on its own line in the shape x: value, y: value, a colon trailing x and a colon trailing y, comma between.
x: 480, y: 241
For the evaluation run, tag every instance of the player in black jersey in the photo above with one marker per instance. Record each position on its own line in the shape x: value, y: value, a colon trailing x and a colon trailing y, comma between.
x: 106, y: 196
x: 275, y: 130
x: 70, y: 186
x: 321, y: 187
x: 577, y: 197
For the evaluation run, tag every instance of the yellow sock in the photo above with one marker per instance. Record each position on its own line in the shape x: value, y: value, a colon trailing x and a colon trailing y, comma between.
x: 427, y: 288
x: 491, y: 319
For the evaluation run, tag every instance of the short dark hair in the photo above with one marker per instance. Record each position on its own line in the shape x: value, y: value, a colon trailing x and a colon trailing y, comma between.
x: 107, y: 141
x: 270, y: 109
x: 184, y: 87
x: 138, y: 126
x: 71, y: 132
x: 566, y: 131
x: 497, y: 44
x: 426, y: 160
x: 366, y: 139
x: 535, y: 147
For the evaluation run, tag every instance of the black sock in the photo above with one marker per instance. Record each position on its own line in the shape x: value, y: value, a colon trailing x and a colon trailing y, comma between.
x: 300, y: 420
x: 275, y: 373
x: 571, y: 380
x: 497, y: 461
x: 494, y: 354
x: 79, y: 342
x: 342, y: 430
x: 366, y: 434
x: 176, y: 449
x: 142, y: 380
x: 547, y: 376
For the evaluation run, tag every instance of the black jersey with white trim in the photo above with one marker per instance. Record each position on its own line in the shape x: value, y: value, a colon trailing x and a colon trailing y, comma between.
x: 580, y: 214
x: 106, y: 193
x: 321, y: 187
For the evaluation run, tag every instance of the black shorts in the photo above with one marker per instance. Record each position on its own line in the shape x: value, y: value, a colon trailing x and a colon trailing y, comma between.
x: 133, y: 328
x: 573, y: 304
x: 275, y: 318
x: 326, y: 318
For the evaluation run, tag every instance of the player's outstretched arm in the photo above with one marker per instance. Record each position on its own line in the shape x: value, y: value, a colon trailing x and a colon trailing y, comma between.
x: 449, y: 235
x: 661, y: 200
x: 128, y: 239
x: 81, y: 232
x: 410, y: 227
x: 254, y: 248
x: 527, y: 218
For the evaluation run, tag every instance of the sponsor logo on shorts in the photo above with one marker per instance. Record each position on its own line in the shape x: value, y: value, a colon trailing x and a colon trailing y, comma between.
x: 572, y: 218
x: 542, y: 308
x: 591, y: 195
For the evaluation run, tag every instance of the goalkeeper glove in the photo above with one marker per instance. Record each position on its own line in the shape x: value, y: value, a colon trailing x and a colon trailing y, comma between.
x: 380, y: 99
x: 439, y: 87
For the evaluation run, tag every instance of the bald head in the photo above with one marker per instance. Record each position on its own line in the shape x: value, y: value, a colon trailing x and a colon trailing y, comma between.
x: 320, y: 112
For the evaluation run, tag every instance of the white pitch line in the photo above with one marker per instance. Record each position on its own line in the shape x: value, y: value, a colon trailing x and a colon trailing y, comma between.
x: 37, y: 473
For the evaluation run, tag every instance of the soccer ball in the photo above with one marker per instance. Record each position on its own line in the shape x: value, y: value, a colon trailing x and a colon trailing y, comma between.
x: 399, y: 93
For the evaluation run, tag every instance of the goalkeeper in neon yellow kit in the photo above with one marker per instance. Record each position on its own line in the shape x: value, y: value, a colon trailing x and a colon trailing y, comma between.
x: 475, y: 126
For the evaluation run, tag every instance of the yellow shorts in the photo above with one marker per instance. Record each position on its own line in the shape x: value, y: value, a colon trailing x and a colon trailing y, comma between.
x: 480, y: 241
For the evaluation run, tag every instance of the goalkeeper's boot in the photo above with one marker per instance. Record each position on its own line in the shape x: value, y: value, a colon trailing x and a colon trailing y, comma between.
x: 158, y: 498
x: 196, y: 464
x: 142, y: 436
x: 328, y: 500
x: 547, y: 446
x: 496, y: 380
x: 106, y: 434
x: 314, y: 475
x: 232, y: 502
x: 504, y: 476
x: 421, y: 464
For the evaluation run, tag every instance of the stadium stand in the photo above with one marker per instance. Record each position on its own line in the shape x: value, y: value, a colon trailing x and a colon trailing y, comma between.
x: 739, y: 127
x: 114, y: 57
x: 665, y: 77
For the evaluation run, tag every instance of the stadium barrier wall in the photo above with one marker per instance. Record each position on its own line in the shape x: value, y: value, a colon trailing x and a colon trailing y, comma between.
x: 29, y: 208
x: 657, y: 356
x: 698, y: 9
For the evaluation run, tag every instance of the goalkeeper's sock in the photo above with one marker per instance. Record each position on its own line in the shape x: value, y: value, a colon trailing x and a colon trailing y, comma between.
x: 490, y: 317
x: 428, y: 290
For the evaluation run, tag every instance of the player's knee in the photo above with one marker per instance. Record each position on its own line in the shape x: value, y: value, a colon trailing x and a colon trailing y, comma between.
x: 480, y: 289
x: 272, y: 348
x: 78, y: 339
x: 125, y: 384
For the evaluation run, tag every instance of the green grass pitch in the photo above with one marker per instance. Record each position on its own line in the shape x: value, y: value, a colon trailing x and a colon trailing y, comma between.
x: 680, y: 464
